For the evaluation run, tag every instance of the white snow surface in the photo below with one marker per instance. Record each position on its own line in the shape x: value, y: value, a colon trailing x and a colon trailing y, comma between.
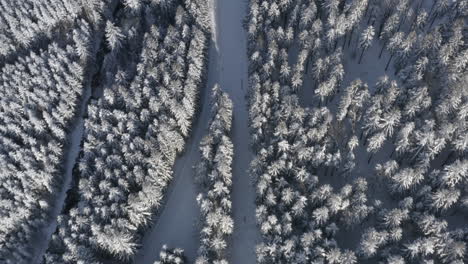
x: 369, y: 71
x: 177, y: 225
x: 232, y: 43
x: 41, y: 240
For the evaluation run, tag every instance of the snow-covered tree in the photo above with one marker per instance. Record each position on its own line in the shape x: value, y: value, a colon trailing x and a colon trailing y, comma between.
x: 171, y: 256
x: 366, y: 39
x: 114, y: 36
x: 133, y: 132
x: 215, y: 178
x: 352, y: 102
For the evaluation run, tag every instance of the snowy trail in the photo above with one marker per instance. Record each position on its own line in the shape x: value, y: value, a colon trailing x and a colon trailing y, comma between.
x: 232, y: 65
x: 176, y: 225
x: 73, y: 150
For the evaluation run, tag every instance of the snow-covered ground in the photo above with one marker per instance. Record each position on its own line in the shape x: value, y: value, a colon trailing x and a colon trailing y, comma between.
x: 41, y: 241
x: 232, y: 65
x: 369, y: 71
x: 177, y: 226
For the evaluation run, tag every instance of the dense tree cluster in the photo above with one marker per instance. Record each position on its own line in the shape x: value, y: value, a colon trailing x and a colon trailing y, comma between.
x: 47, y: 63
x: 381, y: 153
x: 30, y: 24
x: 171, y: 256
x: 42, y: 94
x: 134, y: 132
x: 215, y: 178
x: 410, y: 125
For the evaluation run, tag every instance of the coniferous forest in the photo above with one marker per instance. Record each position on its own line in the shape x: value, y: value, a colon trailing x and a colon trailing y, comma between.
x: 233, y: 131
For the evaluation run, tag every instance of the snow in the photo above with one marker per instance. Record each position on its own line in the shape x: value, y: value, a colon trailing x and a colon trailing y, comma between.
x: 231, y: 39
x: 177, y: 225
x: 41, y: 241
x: 369, y: 71
x: 214, y: 29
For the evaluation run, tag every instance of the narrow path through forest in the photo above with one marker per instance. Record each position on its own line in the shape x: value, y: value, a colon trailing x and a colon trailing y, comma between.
x: 177, y: 223
x: 232, y: 65
x: 41, y: 240
x: 176, y: 226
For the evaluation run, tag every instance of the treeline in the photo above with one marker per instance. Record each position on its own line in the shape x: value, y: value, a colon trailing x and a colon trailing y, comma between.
x: 134, y: 132
x: 411, y: 125
x: 214, y: 174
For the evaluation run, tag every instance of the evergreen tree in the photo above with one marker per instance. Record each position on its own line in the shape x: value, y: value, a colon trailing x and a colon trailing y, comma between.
x: 215, y: 177
x: 366, y: 39
x: 171, y: 256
